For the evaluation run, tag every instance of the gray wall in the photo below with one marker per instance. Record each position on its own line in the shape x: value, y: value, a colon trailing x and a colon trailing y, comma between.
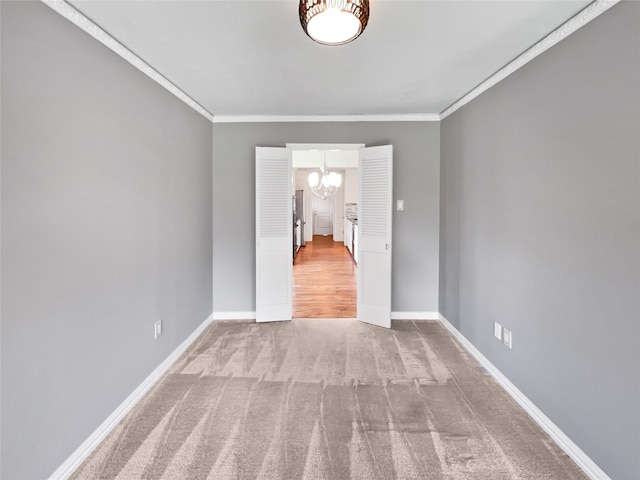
x: 106, y: 227
x: 415, y: 179
x: 540, y: 231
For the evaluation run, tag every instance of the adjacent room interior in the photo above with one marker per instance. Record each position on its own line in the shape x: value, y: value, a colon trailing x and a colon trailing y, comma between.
x: 325, y: 231
x: 133, y: 259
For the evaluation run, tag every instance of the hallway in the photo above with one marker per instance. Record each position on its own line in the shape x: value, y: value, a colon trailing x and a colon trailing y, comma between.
x: 324, y: 280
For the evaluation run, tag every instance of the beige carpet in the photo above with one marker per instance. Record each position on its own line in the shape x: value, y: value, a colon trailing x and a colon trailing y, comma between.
x: 327, y: 399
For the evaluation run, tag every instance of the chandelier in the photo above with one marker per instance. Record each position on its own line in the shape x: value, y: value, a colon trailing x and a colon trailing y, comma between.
x: 325, y: 183
x: 334, y: 22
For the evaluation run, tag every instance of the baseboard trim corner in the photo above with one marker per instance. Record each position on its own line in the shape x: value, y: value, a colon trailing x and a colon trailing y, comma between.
x: 72, y: 463
x: 234, y: 315
x: 415, y: 316
x: 564, y: 442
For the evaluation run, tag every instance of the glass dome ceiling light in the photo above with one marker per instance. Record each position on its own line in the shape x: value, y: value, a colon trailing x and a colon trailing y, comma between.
x: 334, y: 22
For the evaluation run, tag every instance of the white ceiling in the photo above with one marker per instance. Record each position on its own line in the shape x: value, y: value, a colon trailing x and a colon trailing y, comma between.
x: 251, y: 57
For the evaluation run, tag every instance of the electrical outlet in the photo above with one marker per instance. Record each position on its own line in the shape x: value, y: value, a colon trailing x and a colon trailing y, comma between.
x: 497, y: 330
x: 157, y: 329
x: 507, y: 337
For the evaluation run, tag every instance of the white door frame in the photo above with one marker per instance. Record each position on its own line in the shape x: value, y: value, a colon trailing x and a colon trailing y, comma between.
x: 325, y: 146
x: 321, y: 147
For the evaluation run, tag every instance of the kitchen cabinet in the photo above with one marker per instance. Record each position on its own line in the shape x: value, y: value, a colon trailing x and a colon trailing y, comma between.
x: 351, y: 238
x: 355, y: 243
x: 347, y: 226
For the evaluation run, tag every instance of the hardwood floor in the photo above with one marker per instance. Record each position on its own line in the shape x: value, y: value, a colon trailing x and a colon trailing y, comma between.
x: 324, y: 280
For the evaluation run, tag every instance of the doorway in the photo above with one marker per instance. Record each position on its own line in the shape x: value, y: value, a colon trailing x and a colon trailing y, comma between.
x: 324, y: 270
x: 323, y: 212
x: 275, y: 185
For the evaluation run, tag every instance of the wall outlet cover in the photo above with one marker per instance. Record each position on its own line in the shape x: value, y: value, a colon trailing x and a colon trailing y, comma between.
x: 157, y: 329
x: 507, y: 337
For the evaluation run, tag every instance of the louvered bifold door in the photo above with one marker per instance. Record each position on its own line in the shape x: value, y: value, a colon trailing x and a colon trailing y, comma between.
x: 374, y: 235
x: 274, y: 230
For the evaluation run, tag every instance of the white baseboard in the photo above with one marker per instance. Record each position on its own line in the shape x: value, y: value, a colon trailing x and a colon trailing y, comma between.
x: 234, y: 315
x: 65, y: 470
x: 415, y: 316
x: 564, y: 442
x: 394, y: 315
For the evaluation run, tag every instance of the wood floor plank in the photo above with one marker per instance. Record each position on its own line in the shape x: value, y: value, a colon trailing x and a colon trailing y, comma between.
x: 324, y: 280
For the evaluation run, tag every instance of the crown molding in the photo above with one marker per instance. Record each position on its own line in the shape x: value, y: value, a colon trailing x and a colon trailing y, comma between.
x: 573, y: 24
x: 579, y: 20
x: 401, y: 117
x: 79, y: 20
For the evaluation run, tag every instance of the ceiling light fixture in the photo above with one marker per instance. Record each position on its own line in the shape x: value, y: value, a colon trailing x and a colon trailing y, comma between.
x: 325, y: 183
x: 334, y: 22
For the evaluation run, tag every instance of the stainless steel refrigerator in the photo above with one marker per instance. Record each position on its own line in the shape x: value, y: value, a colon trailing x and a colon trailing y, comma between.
x: 299, y: 214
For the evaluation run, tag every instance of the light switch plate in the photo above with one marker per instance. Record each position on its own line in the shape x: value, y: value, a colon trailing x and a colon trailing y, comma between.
x: 497, y: 330
x: 400, y: 205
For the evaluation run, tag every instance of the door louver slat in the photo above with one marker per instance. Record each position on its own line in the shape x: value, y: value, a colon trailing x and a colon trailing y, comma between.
x: 375, y: 201
x: 273, y: 201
